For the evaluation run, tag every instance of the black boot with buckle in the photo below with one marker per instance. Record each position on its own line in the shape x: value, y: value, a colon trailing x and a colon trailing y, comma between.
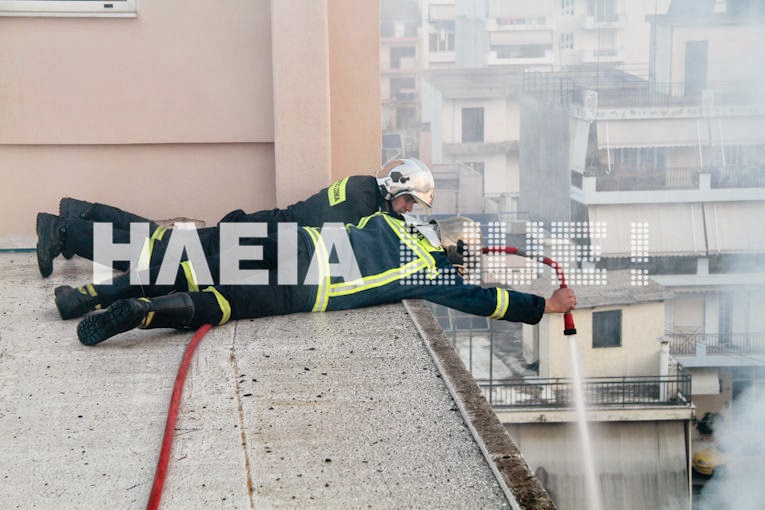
x: 172, y: 311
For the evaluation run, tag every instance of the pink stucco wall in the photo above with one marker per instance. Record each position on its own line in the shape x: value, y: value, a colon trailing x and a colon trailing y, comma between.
x: 190, y: 109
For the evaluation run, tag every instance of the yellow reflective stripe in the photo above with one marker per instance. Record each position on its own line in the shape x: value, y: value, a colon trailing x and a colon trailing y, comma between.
x: 503, y: 301
x: 144, y: 260
x: 149, y: 316
x: 90, y: 290
x: 336, y: 192
x: 191, y: 278
x: 363, y: 221
x: 158, y: 234
x: 146, y: 322
x: 322, y: 290
x: 398, y: 227
x: 378, y: 280
x: 223, y: 303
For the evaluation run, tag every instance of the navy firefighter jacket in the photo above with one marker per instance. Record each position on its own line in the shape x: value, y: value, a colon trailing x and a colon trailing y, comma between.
x: 347, y: 201
x: 394, y: 264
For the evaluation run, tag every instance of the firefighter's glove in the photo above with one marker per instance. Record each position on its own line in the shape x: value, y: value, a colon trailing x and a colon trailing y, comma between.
x: 458, y: 255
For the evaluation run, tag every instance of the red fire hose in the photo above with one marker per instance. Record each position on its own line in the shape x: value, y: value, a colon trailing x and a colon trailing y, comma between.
x: 172, y: 415
x: 568, y: 319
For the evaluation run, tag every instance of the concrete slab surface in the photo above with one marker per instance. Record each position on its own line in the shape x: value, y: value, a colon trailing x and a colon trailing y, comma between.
x: 334, y: 410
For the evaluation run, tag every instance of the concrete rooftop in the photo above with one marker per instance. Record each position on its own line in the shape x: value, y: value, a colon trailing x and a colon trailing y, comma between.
x: 367, y: 408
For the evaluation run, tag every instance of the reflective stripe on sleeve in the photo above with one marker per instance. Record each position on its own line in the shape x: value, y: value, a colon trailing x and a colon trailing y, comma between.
x: 320, y: 251
x: 503, y: 301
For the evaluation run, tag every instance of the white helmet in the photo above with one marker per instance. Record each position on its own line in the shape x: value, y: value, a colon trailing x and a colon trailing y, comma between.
x: 407, y: 177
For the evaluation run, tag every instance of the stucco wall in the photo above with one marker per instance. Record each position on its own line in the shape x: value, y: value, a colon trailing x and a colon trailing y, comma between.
x: 639, y: 464
x: 642, y: 326
x: 189, y: 109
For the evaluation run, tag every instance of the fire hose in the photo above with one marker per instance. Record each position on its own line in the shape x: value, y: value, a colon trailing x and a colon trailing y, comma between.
x: 172, y: 415
x: 568, y: 319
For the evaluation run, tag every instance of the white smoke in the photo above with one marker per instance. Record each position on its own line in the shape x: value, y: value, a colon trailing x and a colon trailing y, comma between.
x: 738, y: 484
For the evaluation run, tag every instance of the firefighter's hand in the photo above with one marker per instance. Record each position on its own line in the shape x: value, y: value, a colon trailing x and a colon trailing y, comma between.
x: 459, y: 254
x: 561, y: 301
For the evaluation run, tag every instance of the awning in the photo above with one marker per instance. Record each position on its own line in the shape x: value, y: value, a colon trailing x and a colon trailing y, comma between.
x: 672, y: 229
x: 578, y: 148
x: 515, y: 38
x: 648, y: 133
x: 735, y: 227
x: 440, y: 12
x: 505, y: 9
x: 734, y: 131
x: 682, y: 132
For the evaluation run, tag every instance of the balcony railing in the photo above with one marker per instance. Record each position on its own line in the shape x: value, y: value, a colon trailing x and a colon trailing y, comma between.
x: 599, y: 391
x: 628, y: 90
x: 724, y: 343
x: 631, y: 179
x: 622, y: 178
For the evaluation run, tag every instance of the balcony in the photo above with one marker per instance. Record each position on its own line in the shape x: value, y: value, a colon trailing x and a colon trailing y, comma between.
x: 603, y: 21
x: 600, y: 392
x: 603, y: 55
x: 639, y: 179
x: 650, y: 179
x: 518, y: 24
x: 476, y: 148
x: 695, y: 344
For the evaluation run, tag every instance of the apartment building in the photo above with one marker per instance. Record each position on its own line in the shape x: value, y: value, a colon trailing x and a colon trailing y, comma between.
x: 400, y: 69
x: 672, y: 167
x: 476, y: 54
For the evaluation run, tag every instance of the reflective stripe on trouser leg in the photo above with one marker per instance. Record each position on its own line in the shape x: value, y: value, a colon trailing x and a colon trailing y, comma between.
x: 89, y: 290
x: 191, y: 278
x: 144, y: 260
x: 225, y: 306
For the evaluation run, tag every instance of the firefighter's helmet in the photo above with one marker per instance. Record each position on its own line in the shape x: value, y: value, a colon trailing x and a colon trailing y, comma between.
x: 461, y: 239
x: 407, y: 177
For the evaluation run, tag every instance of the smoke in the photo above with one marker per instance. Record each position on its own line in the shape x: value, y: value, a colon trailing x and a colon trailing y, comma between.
x: 737, y: 484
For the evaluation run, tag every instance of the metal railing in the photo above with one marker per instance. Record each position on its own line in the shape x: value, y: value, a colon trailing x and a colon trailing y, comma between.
x: 673, y: 390
x: 627, y: 90
x: 622, y: 178
x: 722, y: 343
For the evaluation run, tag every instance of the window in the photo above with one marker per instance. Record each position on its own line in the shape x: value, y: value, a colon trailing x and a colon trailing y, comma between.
x: 403, y: 89
x: 478, y: 166
x: 567, y: 7
x: 607, y: 329
x: 84, y: 8
x: 602, y: 10
x: 387, y: 29
x: 396, y: 54
x: 472, y: 125
x: 566, y: 41
x: 443, y: 37
x: 406, y: 117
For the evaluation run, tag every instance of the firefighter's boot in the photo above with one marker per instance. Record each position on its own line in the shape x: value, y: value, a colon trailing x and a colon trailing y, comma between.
x: 74, y: 302
x: 73, y: 208
x: 172, y: 311
x: 51, y: 236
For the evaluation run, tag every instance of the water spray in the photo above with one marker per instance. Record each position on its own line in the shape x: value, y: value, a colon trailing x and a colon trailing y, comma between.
x: 569, y: 330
